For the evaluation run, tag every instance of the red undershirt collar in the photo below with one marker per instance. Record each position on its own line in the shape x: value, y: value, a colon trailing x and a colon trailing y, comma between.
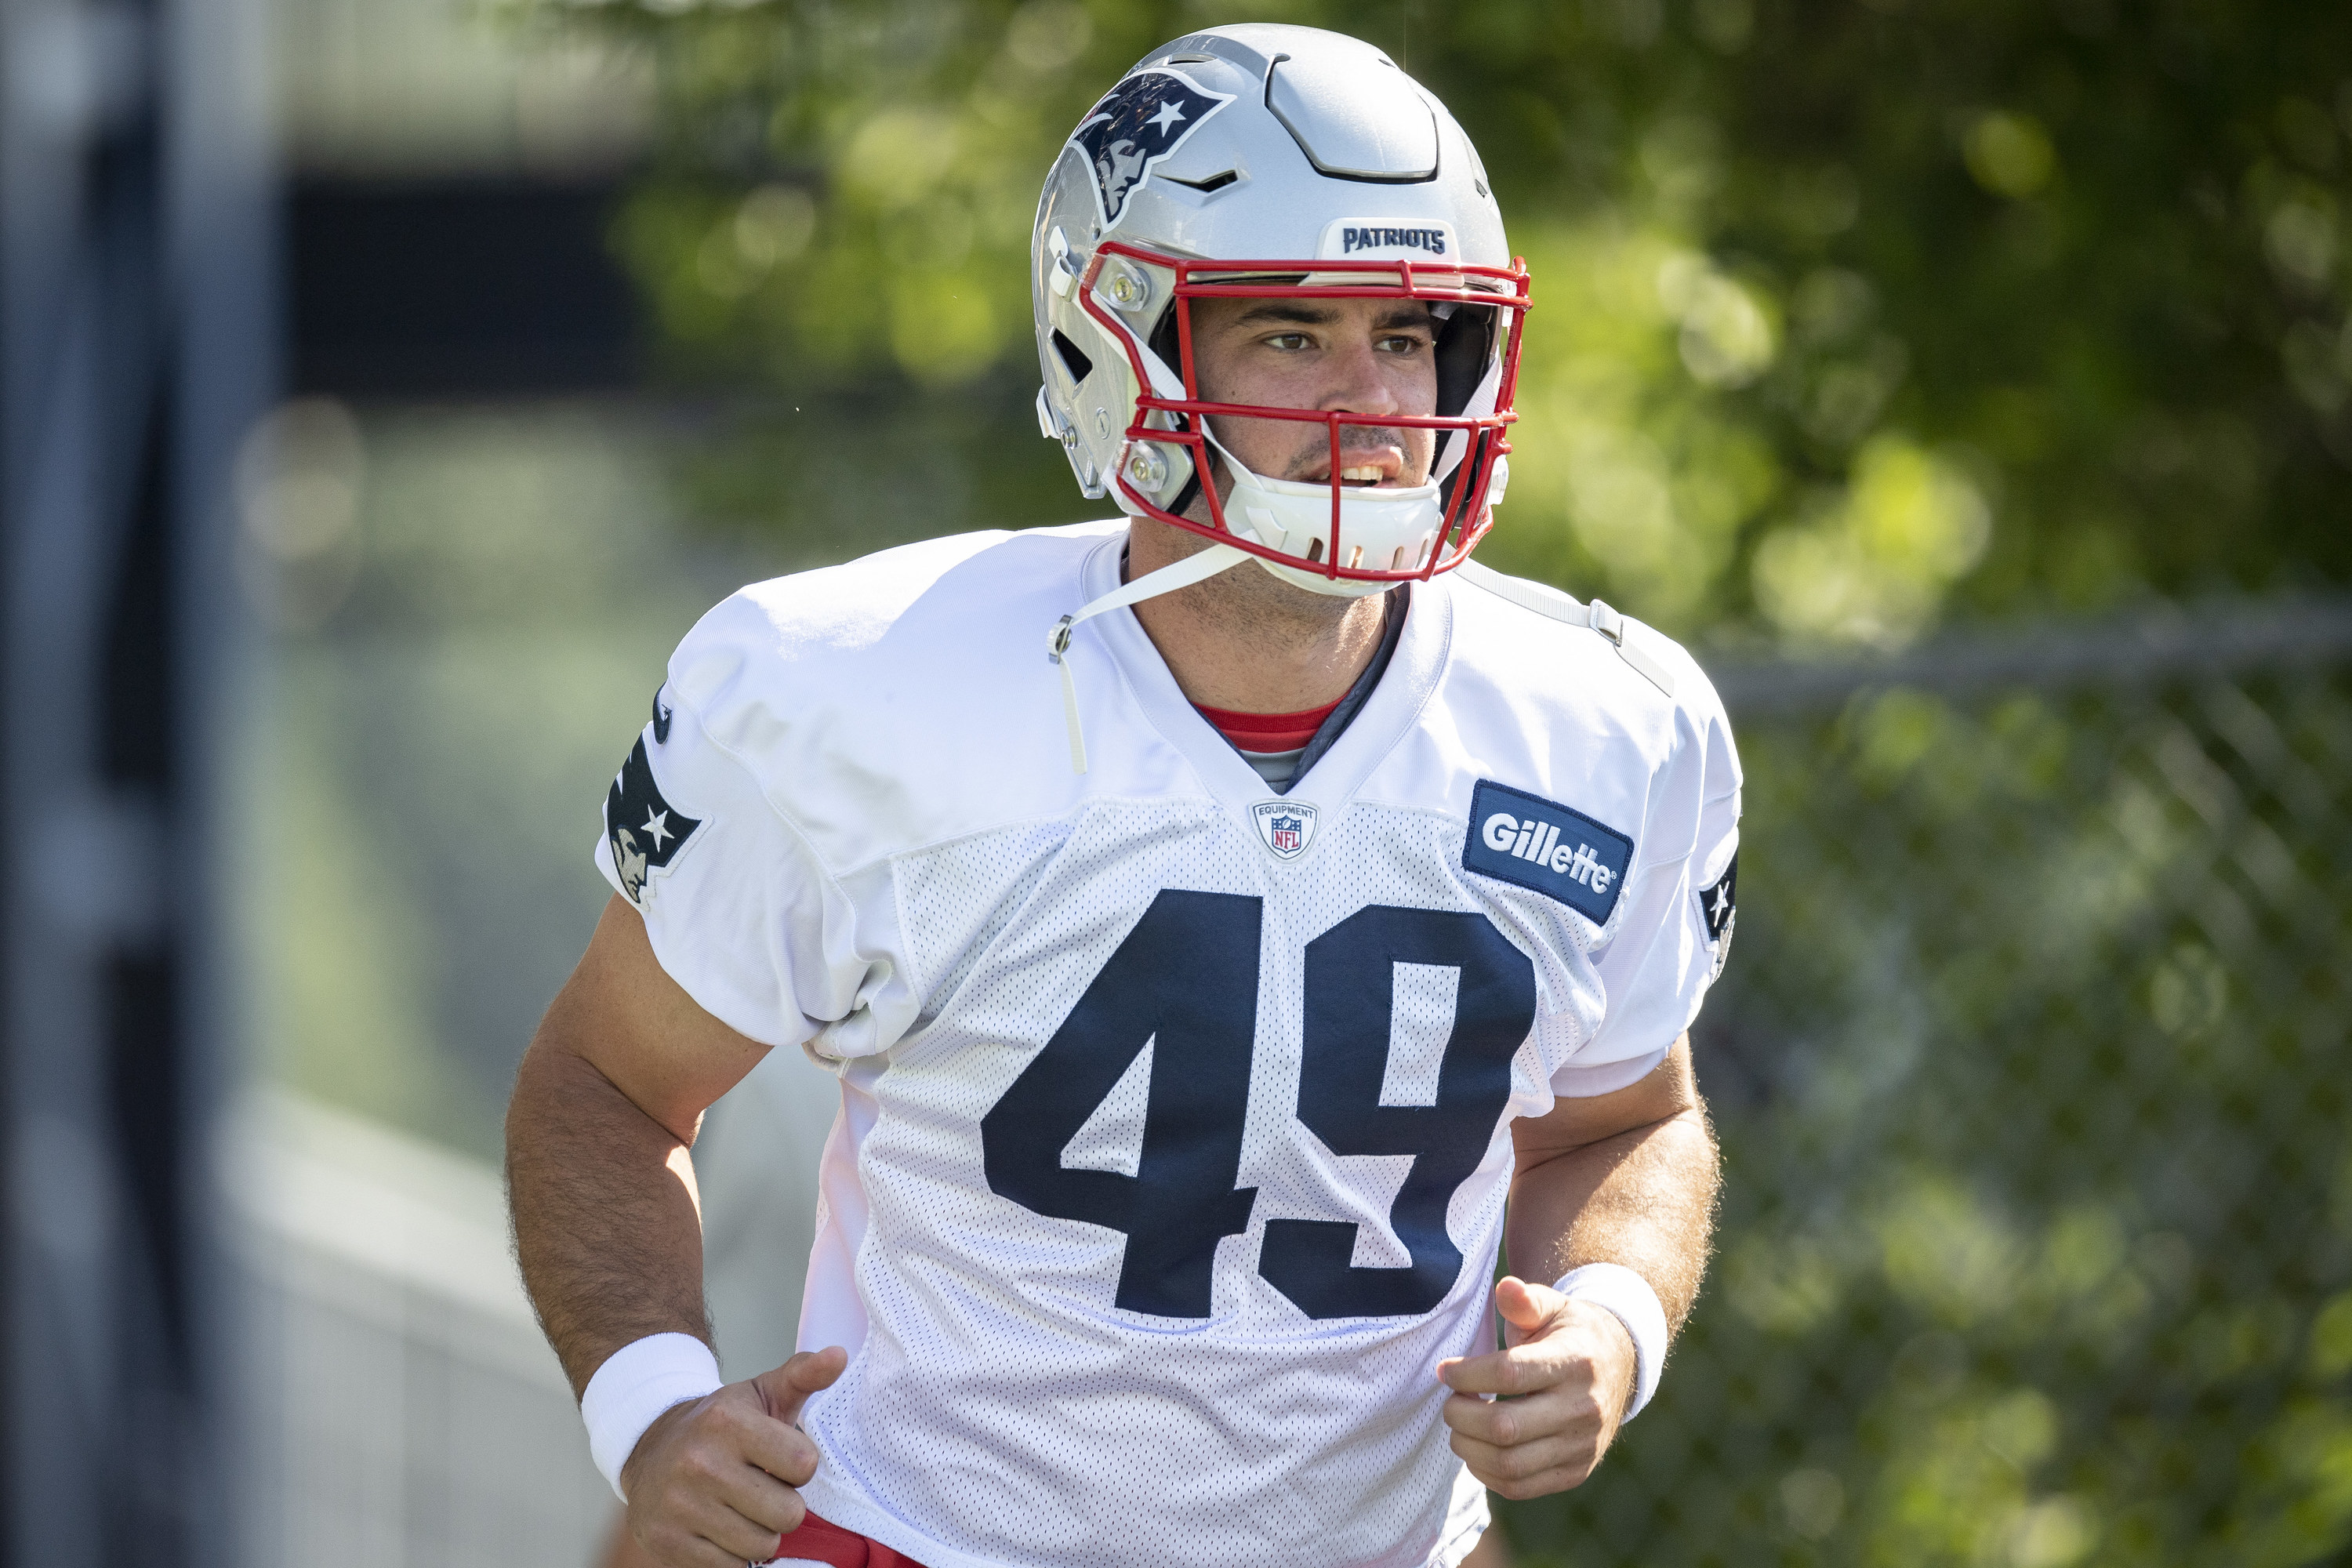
x: 1269, y: 732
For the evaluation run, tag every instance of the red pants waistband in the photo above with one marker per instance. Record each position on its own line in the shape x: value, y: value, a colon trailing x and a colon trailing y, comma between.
x: 822, y: 1540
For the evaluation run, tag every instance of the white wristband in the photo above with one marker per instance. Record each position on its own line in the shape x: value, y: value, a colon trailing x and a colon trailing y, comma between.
x: 1627, y: 1297
x: 636, y: 1384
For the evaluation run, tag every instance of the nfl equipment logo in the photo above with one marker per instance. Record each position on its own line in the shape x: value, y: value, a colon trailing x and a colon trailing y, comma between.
x: 1284, y: 826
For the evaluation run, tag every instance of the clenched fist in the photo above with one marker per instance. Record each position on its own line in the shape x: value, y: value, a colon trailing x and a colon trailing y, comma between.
x: 1564, y: 1381
x: 710, y: 1484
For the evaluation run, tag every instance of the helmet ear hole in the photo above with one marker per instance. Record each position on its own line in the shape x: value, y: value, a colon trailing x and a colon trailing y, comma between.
x: 1074, y: 358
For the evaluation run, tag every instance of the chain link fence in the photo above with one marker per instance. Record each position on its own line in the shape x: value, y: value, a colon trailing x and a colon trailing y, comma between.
x: 2037, y: 1240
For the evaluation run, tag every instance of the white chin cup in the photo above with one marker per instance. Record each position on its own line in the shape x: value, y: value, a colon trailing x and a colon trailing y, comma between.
x: 1381, y: 530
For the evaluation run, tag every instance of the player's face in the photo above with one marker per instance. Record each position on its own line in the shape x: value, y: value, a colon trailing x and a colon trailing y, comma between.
x: 1353, y: 356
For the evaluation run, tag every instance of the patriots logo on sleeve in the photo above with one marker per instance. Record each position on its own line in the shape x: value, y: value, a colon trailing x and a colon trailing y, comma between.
x: 1717, y: 906
x: 644, y: 831
x: 1139, y: 122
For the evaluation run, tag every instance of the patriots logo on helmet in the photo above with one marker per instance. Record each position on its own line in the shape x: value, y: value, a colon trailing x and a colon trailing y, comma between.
x: 1139, y: 122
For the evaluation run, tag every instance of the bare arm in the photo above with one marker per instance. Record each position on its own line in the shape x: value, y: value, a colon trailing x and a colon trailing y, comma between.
x: 606, y: 1108
x: 1627, y: 1178
x: 608, y: 1229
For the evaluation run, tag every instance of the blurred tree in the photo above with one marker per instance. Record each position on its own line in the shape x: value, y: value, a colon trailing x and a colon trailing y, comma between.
x: 1846, y: 310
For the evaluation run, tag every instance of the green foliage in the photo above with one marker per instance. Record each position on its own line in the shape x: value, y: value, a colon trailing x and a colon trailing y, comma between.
x: 1845, y: 310
x: 2037, y: 1240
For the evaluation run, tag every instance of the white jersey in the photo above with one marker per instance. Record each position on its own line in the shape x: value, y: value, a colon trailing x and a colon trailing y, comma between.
x: 1175, y: 1127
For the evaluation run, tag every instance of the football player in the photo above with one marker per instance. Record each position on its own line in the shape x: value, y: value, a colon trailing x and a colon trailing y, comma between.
x: 1228, y: 924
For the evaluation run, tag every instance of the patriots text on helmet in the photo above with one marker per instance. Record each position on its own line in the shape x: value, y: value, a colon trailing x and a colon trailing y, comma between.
x: 1430, y: 239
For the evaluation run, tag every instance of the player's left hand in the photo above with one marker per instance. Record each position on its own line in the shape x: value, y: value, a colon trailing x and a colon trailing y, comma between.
x: 1564, y: 1381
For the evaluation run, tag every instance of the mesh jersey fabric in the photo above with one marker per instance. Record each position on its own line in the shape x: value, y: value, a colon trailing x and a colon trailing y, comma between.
x: 1465, y: 1522
x: 892, y: 866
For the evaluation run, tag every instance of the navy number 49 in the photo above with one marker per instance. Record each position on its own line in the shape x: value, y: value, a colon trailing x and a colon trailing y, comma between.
x: 1186, y: 976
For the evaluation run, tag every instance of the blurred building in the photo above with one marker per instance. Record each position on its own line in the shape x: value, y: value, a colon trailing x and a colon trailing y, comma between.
x: 451, y: 172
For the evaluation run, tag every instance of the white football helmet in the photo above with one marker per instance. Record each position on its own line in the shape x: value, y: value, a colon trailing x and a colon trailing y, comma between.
x: 1264, y: 160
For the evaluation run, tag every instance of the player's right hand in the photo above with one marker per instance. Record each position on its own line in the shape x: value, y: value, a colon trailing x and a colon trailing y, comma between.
x: 710, y: 1484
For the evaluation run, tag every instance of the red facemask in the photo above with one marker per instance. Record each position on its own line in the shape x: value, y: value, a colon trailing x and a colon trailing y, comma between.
x: 1478, y: 353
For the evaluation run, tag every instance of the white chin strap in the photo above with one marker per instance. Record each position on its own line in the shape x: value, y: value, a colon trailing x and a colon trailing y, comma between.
x: 1197, y: 567
x: 1394, y: 529
x: 1386, y: 529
